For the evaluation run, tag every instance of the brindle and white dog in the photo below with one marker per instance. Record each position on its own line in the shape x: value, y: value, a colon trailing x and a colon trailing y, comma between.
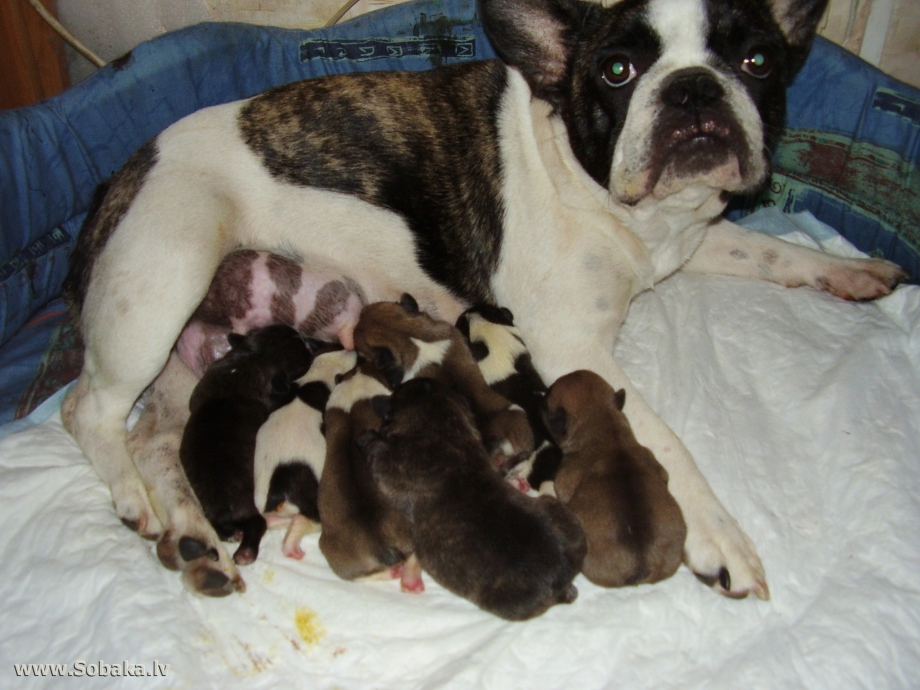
x: 591, y: 162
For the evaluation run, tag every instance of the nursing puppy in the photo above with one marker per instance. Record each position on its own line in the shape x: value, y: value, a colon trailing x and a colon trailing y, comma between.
x: 476, y: 535
x: 404, y: 343
x: 591, y: 162
x: 291, y: 451
x: 614, y: 485
x: 362, y: 535
x: 232, y: 400
x: 507, y: 368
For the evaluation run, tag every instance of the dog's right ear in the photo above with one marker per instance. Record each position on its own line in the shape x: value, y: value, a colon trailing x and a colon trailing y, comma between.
x: 532, y: 35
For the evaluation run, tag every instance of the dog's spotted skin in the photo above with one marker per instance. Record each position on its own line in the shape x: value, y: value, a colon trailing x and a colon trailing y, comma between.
x: 533, y: 184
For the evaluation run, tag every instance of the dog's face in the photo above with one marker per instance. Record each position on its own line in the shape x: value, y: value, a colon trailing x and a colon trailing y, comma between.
x: 660, y: 95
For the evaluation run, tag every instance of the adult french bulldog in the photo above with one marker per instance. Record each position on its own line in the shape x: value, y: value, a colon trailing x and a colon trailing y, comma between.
x: 589, y: 163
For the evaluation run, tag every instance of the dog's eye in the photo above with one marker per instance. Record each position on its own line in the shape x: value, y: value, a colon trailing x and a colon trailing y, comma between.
x: 618, y: 71
x: 757, y: 63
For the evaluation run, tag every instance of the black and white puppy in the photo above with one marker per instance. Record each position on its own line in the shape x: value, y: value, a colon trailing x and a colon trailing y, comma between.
x: 589, y: 163
x: 508, y: 369
x: 291, y: 451
x: 231, y: 402
x: 476, y: 535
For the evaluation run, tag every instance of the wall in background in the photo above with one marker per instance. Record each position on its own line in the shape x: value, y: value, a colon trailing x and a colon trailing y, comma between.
x: 884, y: 32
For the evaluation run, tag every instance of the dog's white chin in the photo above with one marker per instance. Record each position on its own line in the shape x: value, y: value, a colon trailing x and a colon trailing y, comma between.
x: 726, y: 177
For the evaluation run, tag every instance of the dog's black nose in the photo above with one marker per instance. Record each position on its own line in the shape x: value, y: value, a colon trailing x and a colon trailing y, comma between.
x: 692, y: 88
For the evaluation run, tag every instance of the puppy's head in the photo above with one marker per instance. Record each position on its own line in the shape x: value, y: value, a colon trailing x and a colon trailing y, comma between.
x: 399, y: 339
x: 661, y: 95
x: 269, y: 359
x: 576, y: 399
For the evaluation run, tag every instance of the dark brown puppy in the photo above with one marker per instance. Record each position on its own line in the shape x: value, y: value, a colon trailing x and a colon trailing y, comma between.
x: 233, y: 399
x: 615, y: 486
x: 361, y: 535
x: 405, y: 343
x: 475, y: 534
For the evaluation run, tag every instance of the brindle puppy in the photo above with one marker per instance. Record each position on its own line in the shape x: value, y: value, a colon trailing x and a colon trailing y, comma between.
x: 475, y: 534
x: 232, y: 400
x: 615, y: 486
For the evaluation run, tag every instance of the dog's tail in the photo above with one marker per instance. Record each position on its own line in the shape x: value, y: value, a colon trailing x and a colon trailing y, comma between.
x: 111, y: 202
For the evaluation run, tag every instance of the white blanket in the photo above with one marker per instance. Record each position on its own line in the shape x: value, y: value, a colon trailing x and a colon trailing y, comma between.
x: 801, y: 409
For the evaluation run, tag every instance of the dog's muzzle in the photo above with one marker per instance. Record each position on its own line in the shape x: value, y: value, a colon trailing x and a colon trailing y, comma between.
x: 696, y: 136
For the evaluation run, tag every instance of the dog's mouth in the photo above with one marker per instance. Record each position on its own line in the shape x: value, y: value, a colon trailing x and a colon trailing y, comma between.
x: 706, y: 147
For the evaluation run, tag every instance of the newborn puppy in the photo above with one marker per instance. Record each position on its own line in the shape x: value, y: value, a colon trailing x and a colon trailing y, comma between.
x: 506, y: 366
x: 475, y: 534
x: 232, y: 400
x: 615, y: 486
x: 362, y: 536
x: 291, y: 451
x: 256, y: 289
x: 405, y: 343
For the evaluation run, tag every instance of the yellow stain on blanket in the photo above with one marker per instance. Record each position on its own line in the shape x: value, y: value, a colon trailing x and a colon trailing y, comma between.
x: 309, y: 626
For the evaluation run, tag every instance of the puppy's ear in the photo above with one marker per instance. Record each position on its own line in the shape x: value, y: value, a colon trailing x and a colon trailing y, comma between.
x: 534, y: 36
x: 619, y: 398
x: 315, y: 394
x: 507, y: 316
x: 382, y: 406
x: 385, y: 362
x: 558, y: 422
x: 408, y: 303
x: 236, y: 340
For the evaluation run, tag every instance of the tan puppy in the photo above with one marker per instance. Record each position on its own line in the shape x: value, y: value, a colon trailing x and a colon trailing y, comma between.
x: 615, y: 486
x: 361, y: 535
x: 405, y: 343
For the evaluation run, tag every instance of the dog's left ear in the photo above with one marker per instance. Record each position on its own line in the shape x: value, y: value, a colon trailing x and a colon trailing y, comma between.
x: 532, y: 35
x: 798, y: 20
x: 619, y: 398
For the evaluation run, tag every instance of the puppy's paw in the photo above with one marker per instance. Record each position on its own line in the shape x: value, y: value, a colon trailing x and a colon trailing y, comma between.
x: 133, y: 508
x: 411, y: 576
x: 724, y: 558
x: 861, y: 279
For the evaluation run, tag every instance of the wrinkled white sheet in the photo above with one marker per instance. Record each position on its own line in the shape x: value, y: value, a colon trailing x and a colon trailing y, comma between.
x: 802, y: 410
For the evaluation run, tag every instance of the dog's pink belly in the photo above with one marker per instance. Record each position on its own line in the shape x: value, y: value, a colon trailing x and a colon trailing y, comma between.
x: 257, y: 289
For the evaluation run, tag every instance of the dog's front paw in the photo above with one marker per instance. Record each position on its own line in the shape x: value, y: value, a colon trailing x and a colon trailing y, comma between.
x: 861, y: 279
x: 724, y: 558
x: 133, y: 508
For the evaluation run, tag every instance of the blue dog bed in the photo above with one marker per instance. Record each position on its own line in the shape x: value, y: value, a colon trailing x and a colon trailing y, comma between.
x: 849, y: 154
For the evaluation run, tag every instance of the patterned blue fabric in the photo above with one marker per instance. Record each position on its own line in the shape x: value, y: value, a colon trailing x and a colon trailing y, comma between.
x: 850, y: 155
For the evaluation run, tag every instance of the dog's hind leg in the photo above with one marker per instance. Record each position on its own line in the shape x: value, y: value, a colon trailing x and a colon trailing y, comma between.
x: 188, y: 542
x: 731, y: 250
x: 139, y: 297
